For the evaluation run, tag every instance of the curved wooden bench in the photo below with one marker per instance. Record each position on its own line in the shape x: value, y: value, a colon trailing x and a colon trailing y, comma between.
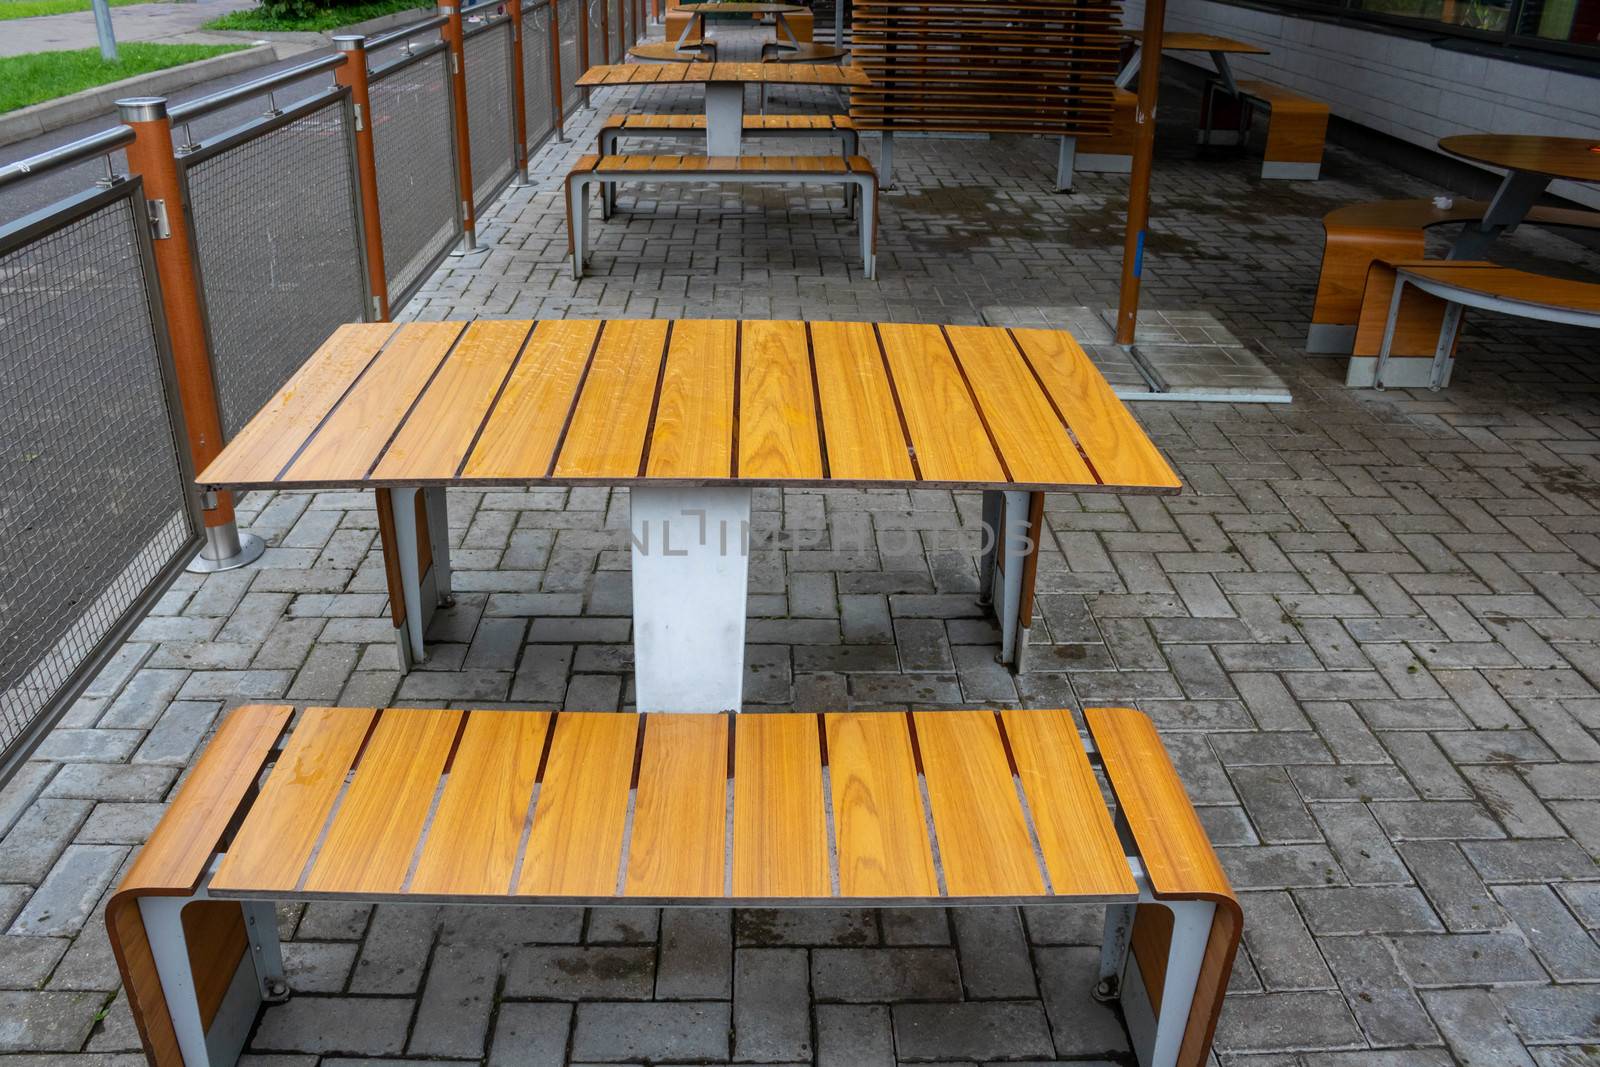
x: 1411, y: 294
x: 806, y: 52
x: 1358, y: 234
x: 1296, y: 131
x: 701, y: 51
x: 607, y: 171
x: 793, y: 810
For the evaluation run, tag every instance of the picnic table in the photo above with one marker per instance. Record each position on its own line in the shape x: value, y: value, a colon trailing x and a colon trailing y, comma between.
x: 1219, y: 49
x: 691, y: 415
x: 724, y: 85
x: 696, y: 26
x: 1530, y: 163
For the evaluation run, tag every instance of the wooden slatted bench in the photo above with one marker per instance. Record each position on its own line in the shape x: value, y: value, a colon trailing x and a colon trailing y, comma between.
x: 1358, y: 234
x: 805, y: 52
x: 775, y: 810
x: 1109, y: 153
x: 1297, y: 129
x: 693, y: 127
x: 1430, y: 294
x: 702, y: 51
x: 595, y: 170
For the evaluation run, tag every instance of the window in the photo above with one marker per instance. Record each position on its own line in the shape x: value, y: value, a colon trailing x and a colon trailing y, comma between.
x: 1569, y: 21
x: 1571, y: 26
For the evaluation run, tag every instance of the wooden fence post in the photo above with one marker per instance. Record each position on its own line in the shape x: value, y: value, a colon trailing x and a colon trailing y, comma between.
x: 519, y: 97
x: 353, y: 74
x: 452, y: 35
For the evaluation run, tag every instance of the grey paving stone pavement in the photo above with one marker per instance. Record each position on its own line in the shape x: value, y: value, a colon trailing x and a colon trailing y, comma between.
x: 1368, y: 630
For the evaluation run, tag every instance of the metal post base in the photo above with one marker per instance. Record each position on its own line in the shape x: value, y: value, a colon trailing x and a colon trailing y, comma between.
x: 226, y: 549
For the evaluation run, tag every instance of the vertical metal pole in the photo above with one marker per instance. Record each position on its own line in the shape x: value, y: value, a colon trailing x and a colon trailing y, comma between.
x: 354, y: 75
x: 102, y: 29
x: 556, y: 103
x: 1144, y: 144
x: 451, y: 33
x: 151, y: 157
x: 519, y: 99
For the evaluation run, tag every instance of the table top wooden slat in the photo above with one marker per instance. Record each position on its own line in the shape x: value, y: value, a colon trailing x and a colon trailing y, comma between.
x: 1079, y: 844
x: 1111, y: 439
x: 779, y: 437
x: 780, y: 830
x: 520, y: 435
x: 476, y: 832
x: 575, y: 846
x: 1032, y: 439
x: 860, y: 418
x: 878, y: 820
x: 696, y: 402
x: 283, y: 826
x: 269, y: 441
x: 350, y: 440
x: 680, y: 814
x: 692, y: 434
x: 378, y: 822
x: 436, y: 435
x: 1574, y: 158
x: 948, y: 435
x: 607, y: 434
x: 983, y: 836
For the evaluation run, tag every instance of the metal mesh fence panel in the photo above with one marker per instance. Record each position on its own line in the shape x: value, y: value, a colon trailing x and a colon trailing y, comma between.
x: 411, y: 141
x: 538, y: 100
x: 488, y: 61
x: 278, y: 250
x: 597, y: 31
x: 571, y: 62
x: 93, y: 504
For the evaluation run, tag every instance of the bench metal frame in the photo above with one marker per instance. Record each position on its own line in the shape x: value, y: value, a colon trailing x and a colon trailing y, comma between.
x: 865, y: 205
x: 1456, y: 298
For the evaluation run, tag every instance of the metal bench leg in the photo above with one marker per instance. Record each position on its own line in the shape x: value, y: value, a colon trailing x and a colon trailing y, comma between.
x: 1064, y: 160
x: 886, y: 164
x: 1169, y: 937
x: 608, y: 190
x: 1447, y: 343
x: 1114, y: 950
x: 691, y: 576
x: 869, y: 227
x: 1016, y: 565
x: 412, y: 571
x: 438, y: 511
x: 577, y: 213
x: 1388, y: 333
x: 993, y: 504
x: 177, y: 929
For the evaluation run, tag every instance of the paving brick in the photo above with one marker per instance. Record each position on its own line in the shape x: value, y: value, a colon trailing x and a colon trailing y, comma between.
x: 1378, y: 992
x: 364, y: 1026
x: 453, y: 1015
x: 971, y: 1030
x: 582, y: 972
x: 994, y: 958
x: 887, y: 974
x: 854, y: 1035
x: 1476, y: 1028
x: 664, y: 1032
x: 771, y: 1006
x: 63, y: 901
x: 696, y: 961
x: 46, y: 1022
x: 1466, y: 959
x: 530, y: 1035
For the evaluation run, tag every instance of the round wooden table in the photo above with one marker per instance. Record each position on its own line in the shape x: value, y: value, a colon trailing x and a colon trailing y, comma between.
x: 1531, y: 164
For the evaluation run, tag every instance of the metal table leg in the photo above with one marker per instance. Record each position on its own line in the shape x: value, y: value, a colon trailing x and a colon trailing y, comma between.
x: 724, y: 118
x: 1518, y: 192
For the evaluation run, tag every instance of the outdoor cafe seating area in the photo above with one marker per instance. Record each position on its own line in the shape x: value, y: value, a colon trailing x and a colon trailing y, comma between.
x: 749, y: 605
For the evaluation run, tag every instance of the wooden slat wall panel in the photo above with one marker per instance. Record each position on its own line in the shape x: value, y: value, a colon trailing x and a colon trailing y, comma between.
x: 983, y: 837
x: 933, y: 65
x: 878, y: 821
x: 693, y: 432
x: 780, y: 835
x: 575, y: 847
x: 276, y: 839
x: 472, y: 842
x: 375, y: 832
x: 680, y: 816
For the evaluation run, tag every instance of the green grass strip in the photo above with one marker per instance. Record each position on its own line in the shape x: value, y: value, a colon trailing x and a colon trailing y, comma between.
x: 41, y: 76
x: 27, y: 9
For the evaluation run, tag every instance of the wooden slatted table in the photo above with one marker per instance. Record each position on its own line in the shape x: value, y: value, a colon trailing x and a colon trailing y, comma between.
x: 1530, y: 163
x: 529, y: 807
x: 695, y: 28
x: 691, y: 415
x: 1218, y: 48
x: 724, y: 88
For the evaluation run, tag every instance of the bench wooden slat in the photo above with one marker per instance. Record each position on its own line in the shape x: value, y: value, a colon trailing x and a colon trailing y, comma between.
x: 436, y: 435
x: 348, y: 443
x: 472, y: 842
x: 270, y: 439
x: 945, y: 427
x: 1508, y: 283
x: 878, y: 820
x: 520, y: 436
x: 1108, y: 433
x: 1080, y: 846
x: 1036, y: 446
x: 693, y: 432
x: 778, y: 435
x: 575, y: 846
x: 983, y: 837
x: 606, y: 437
x: 377, y: 825
x: 780, y: 832
x: 855, y: 397
x: 283, y: 826
x: 680, y: 817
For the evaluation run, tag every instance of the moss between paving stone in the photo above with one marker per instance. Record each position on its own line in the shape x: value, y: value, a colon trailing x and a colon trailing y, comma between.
x: 41, y: 76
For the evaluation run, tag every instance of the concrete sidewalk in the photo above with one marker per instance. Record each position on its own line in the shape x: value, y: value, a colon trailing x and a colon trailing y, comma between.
x: 166, y: 23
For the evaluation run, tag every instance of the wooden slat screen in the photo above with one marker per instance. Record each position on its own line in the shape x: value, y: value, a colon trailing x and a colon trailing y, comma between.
x: 1022, y: 66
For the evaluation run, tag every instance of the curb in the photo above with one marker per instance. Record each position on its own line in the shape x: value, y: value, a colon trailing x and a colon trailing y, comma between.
x: 100, y: 101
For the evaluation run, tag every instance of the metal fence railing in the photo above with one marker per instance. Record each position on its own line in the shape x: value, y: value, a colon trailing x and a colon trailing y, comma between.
x: 96, y: 517
x: 145, y: 320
